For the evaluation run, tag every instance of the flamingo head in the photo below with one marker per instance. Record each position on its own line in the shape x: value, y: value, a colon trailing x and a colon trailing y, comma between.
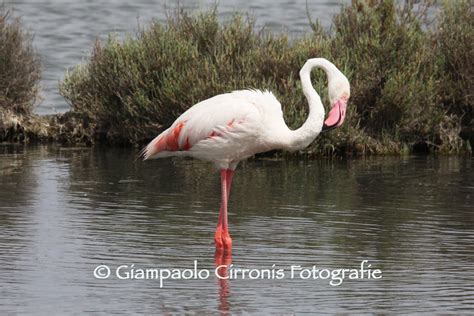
x: 339, y: 93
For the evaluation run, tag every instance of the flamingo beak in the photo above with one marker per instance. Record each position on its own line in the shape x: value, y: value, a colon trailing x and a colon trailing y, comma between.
x: 336, y: 116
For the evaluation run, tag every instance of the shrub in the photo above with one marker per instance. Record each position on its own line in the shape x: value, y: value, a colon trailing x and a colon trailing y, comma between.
x: 453, y: 40
x: 133, y: 89
x: 19, y: 78
x: 391, y: 70
x: 19, y: 66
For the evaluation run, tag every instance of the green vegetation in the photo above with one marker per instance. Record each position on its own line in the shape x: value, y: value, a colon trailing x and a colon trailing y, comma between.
x: 454, y: 49
x: 19, y: 77
x: 19, y: 67
x: 411, y: 81
x: 406, y: 93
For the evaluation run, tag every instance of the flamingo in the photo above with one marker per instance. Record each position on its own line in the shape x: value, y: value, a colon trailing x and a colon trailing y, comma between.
x: 231, y: 127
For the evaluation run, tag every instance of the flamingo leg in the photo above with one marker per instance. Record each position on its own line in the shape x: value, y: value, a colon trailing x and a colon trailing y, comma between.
x: 222, y: 237
x: 229, y: 176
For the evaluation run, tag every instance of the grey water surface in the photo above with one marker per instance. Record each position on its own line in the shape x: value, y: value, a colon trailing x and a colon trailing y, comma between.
x: 66, y: 211
x: 65, y: 30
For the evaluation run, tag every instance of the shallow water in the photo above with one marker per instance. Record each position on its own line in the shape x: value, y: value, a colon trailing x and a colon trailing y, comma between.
x: 65, y: 211
x: 65, y: 30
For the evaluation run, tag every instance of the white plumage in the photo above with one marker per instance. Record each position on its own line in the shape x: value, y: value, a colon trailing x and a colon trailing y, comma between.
x: 226, y: 128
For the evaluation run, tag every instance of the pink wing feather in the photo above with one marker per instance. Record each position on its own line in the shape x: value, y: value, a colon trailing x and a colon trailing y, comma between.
x: 208, y: 119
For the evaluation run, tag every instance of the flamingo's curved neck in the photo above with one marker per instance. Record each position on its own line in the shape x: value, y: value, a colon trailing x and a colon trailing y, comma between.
x: 303, y: 136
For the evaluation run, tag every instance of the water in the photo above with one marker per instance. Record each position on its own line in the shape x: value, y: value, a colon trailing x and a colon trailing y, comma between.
x: 65, y: 30
x: 64, y: 211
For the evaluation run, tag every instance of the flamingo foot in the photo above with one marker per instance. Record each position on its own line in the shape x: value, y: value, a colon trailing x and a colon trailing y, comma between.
x: 222, y: 239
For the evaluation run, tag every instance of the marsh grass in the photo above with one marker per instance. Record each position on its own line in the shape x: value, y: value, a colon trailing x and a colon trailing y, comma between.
x: 411, y: 83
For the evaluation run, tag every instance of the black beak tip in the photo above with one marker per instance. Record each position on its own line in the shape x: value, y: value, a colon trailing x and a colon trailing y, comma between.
x: 327, y: 128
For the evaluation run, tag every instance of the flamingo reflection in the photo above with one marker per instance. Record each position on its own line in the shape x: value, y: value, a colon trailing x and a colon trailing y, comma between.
x: 223, y: 260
